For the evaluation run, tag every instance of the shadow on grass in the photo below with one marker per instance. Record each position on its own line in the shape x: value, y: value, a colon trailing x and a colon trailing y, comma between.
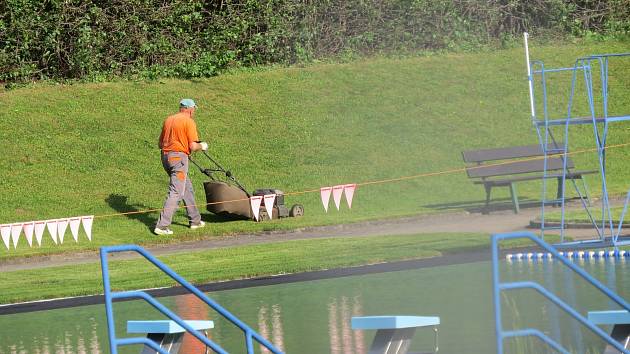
x: 220, y: 218
x: 479, y: 206
x: 121, y: 204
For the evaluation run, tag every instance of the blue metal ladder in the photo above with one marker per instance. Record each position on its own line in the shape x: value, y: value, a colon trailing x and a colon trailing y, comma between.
x: 498, y: 287
x: 114, y: 342
x: 552, y: 148
x: 594, y: 69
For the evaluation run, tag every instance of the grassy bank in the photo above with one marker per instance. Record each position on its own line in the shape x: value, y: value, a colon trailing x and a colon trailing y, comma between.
x: 236, y: 263
x: 91, y: 148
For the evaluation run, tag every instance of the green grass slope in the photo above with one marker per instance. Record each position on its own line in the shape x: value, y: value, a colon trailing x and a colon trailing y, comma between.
x: 71, y: 150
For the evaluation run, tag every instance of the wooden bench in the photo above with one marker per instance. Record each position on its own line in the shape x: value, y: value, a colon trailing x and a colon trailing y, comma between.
x: 501, y: 167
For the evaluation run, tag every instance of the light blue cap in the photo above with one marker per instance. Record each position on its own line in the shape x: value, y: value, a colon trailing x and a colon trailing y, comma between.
x: 187, y: 103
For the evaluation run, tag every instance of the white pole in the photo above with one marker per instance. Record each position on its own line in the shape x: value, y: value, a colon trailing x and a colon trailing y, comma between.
x: 530, y: 79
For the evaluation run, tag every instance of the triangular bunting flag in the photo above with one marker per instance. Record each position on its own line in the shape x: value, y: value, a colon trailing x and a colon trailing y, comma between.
x: 62, y: 225
x: 28, y: 232
x: 51, y: 225
x: 325, y: 194
x: 337, y: 191
x: 40, y: 226
x: 348, y: 190
x: 255, y: 203
x: 75, y: 224
x: 269, y: 199
x: 5, y: 230
x: 87, y: 225
x: 16, y: 230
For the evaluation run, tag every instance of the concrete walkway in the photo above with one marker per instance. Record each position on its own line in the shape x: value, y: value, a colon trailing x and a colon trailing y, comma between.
x: 495, y: 222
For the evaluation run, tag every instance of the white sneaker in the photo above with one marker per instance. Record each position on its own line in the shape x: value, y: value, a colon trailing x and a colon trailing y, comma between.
x: 162, y: 231
x: 197, y: 226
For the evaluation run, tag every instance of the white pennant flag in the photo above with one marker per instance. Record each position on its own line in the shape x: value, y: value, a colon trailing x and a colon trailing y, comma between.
x: 325, y: 194
x: 16, y: 230
x: 75, y: 224
x: 87, y: 225
x: 255, y: 203
x: 40, y: 226
x: 51, y: 225
x: 28, y: 232
x: 269, y: 199
x: 337, y: 191
x: 62, y: 225
x: 348, y: 190
x: 5, y: 230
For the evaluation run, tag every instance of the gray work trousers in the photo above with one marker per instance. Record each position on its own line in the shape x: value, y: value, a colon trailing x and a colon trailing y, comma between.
x: 179, y: 189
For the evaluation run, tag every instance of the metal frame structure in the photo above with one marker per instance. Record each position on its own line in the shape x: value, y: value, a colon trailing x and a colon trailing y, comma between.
x: 588, y: 67
x: 498, y: 287
x: 114, y: 342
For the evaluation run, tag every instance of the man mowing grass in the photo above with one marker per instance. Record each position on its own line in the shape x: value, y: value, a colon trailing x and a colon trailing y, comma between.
x: 178, y: 139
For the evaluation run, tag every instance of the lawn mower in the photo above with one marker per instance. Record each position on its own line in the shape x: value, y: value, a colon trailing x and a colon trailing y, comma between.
x: 227, y: 197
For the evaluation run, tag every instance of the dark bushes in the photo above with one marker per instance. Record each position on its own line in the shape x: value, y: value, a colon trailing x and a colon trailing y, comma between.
x: 92, y: 39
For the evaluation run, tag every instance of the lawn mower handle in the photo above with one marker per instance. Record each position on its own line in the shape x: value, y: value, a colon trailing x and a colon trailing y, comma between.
x: 220, y: 168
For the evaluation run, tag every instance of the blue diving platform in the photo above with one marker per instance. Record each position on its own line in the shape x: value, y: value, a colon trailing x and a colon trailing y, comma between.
x: 620, y: 320
x: 394, y: 333
x: 167, y: 334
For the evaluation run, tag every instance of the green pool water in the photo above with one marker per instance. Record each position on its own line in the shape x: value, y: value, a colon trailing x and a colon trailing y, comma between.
x: 314, y: 317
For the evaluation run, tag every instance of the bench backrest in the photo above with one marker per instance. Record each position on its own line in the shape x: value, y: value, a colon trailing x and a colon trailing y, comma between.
x: 517, y: 167
x: 498, y: 168
x: 513, y: 152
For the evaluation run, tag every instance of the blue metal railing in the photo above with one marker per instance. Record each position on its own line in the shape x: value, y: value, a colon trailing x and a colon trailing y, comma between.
x: 114, y: 342
x: 595, y: 71
x: 498, y: 286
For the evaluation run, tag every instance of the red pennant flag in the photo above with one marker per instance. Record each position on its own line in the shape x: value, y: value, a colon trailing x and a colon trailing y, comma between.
x: 269, y: 199
x: 325, y: 194
x: 87, y: 225
x: 51, y: 225
x: 75, y: 224
x: 16, y: 230
x: 5, y: 230
x: 28, y: 232
x: 255, y: 202
x: 62, y: 225
x: 337, y: 191
x: 348, y: 190
x: 40, y: 226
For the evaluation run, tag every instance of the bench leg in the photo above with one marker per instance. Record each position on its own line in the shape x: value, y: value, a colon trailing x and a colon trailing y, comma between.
x: 486, y: 209
x: 586, y: 193
x: 514, y: 198
x: 560, y: 193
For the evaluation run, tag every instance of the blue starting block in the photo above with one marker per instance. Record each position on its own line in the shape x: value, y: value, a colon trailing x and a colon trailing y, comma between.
x: 621, y: 326
x: 167, y: 334
x: 394, y: 333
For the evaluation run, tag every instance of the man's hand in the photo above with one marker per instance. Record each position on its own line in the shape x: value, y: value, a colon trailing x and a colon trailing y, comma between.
x: 204, y: 146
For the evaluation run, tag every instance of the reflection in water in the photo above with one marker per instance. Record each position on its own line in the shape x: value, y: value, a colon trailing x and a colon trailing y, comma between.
x: 94, y: 340
x: 346, y: 333
x: 190, y: 307
x: 333, y: 331
x: 357, y: 310
x: 45, y: 349
x: 339, y: 319
x: 276, y: 327
x: 262, y: 326
x: 277, y: 333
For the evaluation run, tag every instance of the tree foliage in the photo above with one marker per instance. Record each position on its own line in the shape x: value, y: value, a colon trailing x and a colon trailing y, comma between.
x: 90, y: 39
